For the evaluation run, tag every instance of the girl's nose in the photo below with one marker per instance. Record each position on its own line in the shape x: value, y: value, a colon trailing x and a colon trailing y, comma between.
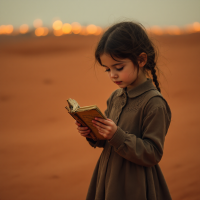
x: 113, y: 74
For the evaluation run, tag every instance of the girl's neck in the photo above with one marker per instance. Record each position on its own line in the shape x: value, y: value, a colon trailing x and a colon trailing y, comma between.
x: 141, y: 78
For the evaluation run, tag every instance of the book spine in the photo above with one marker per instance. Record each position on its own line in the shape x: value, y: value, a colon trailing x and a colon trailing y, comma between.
x: 83, y: 124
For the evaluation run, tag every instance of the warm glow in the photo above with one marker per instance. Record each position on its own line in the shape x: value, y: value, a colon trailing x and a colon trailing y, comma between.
x: 2, y: 29
x: 91, y: 29
x: 23, y: 28
x: 57, y: 25
x: 9, y: 29
x: 196, y: 26
x: 46, y: 31
x: 37, y: 23
x: 173, y: 30
x: 83, y: 31
x: 189, y: 29
x: 99, y: 31
x: 156, y: 30
x: 66, y: 28
x: 41, y: 31
x: 58, y: 32
x: 76, y: 28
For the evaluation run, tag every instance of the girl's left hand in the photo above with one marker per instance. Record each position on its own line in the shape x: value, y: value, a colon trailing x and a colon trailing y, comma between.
x: 106, y: 127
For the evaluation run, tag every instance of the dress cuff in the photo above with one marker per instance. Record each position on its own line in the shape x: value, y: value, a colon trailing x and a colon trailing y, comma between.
x: 118, y: 138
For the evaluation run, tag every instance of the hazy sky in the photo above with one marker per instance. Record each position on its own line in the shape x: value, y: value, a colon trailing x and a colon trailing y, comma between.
x: 100, y: 12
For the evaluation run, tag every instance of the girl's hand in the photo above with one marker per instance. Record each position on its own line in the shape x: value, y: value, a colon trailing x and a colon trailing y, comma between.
x: 106, y: 127
x: 83, y: 130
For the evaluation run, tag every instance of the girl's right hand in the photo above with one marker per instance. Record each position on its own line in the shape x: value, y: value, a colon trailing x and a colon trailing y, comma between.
x: 83, y: 130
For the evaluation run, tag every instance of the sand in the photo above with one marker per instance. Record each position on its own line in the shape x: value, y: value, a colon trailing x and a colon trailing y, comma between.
x: 43, y: 157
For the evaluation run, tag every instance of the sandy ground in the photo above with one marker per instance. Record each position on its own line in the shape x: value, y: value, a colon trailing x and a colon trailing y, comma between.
x: 42, y: 156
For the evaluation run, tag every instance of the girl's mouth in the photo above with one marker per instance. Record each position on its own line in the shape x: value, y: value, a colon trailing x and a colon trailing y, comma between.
x: 118, y: 82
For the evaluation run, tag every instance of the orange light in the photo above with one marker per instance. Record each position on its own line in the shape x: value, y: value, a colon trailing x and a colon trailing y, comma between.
x: 23, y: 28
x: 66, y: 28
x: 76, y: 28
x: 156, y: 30
x: 57, y: 25
x: 9, y: 29
x: 83, y: 31
x: 2, y: 29
x: 91, y: 29
x: 99, y: 31
x: 173, y: 30
x: 189, y: 28
x: 46, y: 31
x: 41, y: 31
x: 37, y: 23
x: 58, y: 32
x: 196, y: 26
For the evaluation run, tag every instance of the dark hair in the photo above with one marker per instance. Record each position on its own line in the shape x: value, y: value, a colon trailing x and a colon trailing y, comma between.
x: 129, y: 40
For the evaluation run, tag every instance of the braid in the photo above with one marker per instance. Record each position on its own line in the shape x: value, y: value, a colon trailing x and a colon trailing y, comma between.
x: 153, y: 72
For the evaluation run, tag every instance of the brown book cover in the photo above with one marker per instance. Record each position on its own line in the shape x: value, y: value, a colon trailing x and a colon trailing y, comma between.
x: 85, y: 115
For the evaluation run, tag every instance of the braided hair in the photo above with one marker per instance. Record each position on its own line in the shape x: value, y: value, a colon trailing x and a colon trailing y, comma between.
x: 129, y: 40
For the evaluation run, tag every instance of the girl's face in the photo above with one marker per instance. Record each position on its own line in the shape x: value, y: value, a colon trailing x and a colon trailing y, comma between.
x: 122, y: 72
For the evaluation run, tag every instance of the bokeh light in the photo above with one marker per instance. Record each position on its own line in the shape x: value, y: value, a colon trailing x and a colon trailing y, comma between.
x: 76, y: 28
x: 196, y: 26
x: 2, y: 29
x: 173, y: 30
x: 37, y: 23
x: 99, y: 31
x: 60, y: 28
x: 66, y: 28
x: 57, y: 25
x: 23, y: 28
x: 6, y: 29
x: 58, y: 32
x: 83, y: 31
x: 156, y: 30
x: 91, y: 29
x: 46, y: 31
x: 9, y: 29
x: 41, y: 31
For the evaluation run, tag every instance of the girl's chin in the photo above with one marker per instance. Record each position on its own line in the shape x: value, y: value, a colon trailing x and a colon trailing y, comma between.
x: 121, y: 86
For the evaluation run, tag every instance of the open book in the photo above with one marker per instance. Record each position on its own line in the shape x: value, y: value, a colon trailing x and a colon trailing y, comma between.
x: 85, y: 115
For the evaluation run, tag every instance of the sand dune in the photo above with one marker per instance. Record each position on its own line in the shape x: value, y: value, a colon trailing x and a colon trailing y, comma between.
x: 42, y: 155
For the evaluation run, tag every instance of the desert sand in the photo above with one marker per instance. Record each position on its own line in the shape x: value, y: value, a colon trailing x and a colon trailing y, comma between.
x: 43, y: 157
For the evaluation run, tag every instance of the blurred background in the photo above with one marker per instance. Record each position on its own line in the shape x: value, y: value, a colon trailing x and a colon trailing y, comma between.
x: 47, y: 56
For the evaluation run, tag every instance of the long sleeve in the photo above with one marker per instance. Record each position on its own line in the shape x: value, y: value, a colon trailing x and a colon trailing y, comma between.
x: 147, y: 150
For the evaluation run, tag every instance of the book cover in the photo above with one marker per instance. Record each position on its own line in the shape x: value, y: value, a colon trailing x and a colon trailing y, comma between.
x: 85, y: 115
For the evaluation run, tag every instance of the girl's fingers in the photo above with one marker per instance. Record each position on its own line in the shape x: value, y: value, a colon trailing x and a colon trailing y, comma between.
x: 84, y: 131
x: 84, y: 134
x: 99, y: 124
x: 101, y: 130
x: 78, y: 124
x: 103, y: 121
x: 82, y: 128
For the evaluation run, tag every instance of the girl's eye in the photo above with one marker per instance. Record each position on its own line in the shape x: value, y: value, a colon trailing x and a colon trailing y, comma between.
x: 107, y: 70
x: 120, y: 69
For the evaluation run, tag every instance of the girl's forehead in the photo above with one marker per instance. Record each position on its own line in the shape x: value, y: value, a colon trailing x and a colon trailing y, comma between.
x: 107, y: 58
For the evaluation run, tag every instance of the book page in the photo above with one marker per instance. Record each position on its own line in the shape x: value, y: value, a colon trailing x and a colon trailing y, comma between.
x: 73, y: 105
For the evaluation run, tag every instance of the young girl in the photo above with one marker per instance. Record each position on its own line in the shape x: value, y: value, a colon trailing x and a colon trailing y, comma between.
x: 138, y: 120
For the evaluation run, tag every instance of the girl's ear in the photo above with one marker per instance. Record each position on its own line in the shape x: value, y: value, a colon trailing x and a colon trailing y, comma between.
x: 142, y: 59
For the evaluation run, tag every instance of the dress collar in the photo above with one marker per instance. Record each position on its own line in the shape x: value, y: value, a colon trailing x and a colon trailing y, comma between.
x: 137, y: 91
